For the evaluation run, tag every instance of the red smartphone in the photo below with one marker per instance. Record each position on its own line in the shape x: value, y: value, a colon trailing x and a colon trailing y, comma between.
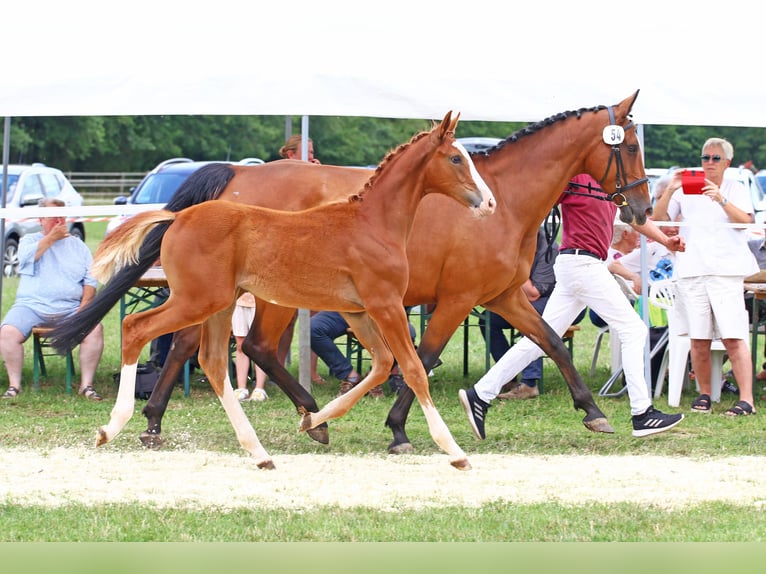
x: 692, y: 181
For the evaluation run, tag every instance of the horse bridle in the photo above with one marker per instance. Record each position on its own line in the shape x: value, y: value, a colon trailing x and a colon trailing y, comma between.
x: 617, y: 134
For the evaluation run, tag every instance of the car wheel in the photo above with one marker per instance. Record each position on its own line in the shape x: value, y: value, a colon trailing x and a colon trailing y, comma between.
x: 11, y: 257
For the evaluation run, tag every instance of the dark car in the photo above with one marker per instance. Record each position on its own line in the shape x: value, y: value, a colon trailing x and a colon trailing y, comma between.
x: 160, y: 184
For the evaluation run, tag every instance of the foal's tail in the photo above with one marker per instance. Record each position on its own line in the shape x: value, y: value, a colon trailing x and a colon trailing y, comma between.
x: 121, y: 247
x: 203, y: 185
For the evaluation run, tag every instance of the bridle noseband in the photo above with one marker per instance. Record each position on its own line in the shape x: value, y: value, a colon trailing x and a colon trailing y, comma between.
x: 613, y: 136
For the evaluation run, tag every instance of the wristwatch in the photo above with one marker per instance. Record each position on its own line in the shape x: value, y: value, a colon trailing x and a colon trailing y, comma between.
x: 724, y: 201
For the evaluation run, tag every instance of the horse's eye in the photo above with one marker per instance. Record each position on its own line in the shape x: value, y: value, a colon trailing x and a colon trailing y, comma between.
x: 457, y: 159
x: 633, y: 148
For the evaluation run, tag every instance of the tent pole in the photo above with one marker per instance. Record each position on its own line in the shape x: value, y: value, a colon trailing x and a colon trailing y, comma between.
x: 304, y: 315
x: 6, y: 155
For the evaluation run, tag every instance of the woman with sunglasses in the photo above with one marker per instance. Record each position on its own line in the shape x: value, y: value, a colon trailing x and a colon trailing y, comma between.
x: 712, y: 269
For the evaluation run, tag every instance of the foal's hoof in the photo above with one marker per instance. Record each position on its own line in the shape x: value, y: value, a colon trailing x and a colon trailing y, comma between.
x: 401, y: 448
x: 461, y: 464
x: 599, y: 424
x: 321, y: 434
x: 151, y: 440
x: 266, y: 465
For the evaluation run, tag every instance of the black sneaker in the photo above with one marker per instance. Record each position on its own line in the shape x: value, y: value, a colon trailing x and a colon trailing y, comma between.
x: 729, y: 387
x: 653, y: 422
x: 475, y: 409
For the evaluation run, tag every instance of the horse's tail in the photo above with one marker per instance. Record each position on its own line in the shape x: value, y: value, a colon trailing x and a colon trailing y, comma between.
x: 203, y: 185
x: 121, y: 247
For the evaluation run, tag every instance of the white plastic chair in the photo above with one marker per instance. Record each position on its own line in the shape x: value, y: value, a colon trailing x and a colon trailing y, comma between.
x: 662, y: 293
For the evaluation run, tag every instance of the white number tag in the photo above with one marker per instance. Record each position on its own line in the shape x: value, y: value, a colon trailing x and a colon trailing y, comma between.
x: 613, y: 135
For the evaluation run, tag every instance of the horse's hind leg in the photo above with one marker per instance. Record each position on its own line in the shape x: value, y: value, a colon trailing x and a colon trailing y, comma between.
x: 135, y: 335
x: 261, y: 346
x: 214, y: 360
x: 185, y: 343
x: 519, y: 312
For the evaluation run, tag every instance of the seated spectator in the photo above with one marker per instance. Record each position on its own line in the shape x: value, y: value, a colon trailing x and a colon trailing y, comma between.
x: 326, y: 326
x: 54, y: 281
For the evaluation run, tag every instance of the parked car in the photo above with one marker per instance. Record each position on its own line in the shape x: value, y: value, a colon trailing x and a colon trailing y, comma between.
x: 473, y: 144
x: 160, y: 184
x: 760, y: 177
x: 27, y: 185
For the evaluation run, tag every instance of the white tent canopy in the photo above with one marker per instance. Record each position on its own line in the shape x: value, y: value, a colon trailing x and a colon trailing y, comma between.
x: 489, y: 60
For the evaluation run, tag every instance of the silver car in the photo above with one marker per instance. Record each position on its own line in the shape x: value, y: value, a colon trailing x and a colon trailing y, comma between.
x: 27, y: 185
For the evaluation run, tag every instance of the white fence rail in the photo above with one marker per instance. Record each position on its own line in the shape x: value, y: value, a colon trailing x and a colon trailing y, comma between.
x: 117, y: 183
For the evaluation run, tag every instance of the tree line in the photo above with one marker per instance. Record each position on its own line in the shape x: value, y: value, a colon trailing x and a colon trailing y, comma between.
x: 138, y: 143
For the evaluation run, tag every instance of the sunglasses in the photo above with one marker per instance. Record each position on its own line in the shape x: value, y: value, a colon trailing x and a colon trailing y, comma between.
x: 713, y: 158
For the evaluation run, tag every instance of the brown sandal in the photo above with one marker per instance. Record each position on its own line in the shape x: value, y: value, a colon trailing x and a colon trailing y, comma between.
x: 11, y: 393
x: 89, y: 393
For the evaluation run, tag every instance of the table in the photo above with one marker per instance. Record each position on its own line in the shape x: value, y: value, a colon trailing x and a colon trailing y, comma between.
x: 759, y: 293
x: 143, y: 296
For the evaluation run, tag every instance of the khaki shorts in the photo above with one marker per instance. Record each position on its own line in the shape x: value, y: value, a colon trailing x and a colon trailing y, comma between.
x: 241, y: 320
x: 712, y: 307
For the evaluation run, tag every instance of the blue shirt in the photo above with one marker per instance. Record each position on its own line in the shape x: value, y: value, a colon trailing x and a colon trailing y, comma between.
x: 53, y: 284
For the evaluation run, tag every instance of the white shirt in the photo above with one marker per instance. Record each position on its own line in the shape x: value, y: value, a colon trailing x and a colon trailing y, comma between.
x: 713, y: 246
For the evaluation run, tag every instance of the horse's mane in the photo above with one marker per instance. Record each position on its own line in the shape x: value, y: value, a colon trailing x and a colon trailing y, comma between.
x: 536, y: 127
x: 383, y: 164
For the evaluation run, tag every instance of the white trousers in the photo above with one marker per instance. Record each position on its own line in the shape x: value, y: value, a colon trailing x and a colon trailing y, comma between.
x: 582, y: 281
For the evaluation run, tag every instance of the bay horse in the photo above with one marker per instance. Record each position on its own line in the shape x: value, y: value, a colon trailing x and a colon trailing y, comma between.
x: 527, y: 171
x: 345, y: 256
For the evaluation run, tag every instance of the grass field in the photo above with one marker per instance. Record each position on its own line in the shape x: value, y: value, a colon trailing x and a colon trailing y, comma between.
x: 49, y: 419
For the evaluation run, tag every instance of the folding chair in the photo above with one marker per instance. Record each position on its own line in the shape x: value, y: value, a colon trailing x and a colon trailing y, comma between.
x: 41, y: 349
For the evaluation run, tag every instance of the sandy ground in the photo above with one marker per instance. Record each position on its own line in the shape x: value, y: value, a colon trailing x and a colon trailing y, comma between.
x: 208, y: 479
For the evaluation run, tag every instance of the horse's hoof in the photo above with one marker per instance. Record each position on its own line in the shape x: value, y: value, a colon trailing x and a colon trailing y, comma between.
x: 461, y: 464
x: 321, y: 434
x: 599, y: 424
x: 266, y: 465
x: 101, y: 438
x: 401, y: 448
x: 150, y: 440
x: 305, y: 424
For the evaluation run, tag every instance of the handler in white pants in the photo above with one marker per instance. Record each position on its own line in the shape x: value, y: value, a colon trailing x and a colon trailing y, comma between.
x: 583, y: 279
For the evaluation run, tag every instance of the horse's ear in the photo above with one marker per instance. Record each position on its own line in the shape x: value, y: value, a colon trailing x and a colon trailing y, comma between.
x: 448, y: 125
x: 633, y: 101
x: 444, y: 127
x: 455, y: 120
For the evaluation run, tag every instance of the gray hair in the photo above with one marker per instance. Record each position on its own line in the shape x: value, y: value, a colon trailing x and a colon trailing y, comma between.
x: 619, y: 228
x: 51, y: 202
x: 728, y: 149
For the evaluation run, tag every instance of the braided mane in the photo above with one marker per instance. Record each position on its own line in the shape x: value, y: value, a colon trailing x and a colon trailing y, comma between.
x: 383, y: 164
x: 537, y: 126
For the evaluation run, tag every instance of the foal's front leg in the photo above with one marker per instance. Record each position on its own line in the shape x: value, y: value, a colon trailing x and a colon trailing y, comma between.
x: 382, y: 361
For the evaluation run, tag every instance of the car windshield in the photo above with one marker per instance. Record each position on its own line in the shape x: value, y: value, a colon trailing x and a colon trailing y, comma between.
x: 160, y: 187
x: 12, y: 179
